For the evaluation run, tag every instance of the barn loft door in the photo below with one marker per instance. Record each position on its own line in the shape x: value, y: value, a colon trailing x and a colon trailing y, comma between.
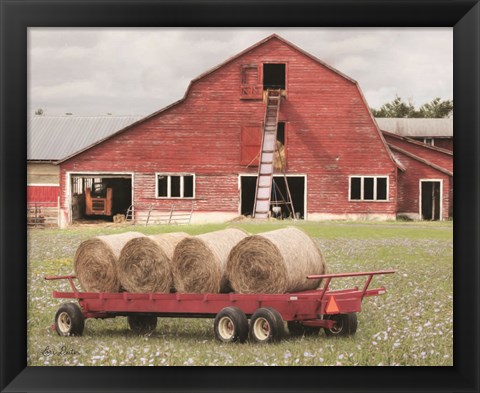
x: 251, y: 141
x: 430, y: 196
x: 274, y: 76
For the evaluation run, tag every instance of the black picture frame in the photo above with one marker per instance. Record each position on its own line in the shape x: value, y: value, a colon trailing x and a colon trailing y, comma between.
x: 17, y: 16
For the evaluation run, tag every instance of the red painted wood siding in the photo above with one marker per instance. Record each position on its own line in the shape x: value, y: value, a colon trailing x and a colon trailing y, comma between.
x: 331, y: 135
x: 39, y: 194
x: 444, y: 143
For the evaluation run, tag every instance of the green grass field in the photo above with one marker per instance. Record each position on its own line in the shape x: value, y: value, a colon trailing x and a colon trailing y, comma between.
x: 412, y: 325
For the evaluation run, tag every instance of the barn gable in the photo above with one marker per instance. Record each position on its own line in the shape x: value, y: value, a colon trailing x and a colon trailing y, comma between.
x: 200, y: 88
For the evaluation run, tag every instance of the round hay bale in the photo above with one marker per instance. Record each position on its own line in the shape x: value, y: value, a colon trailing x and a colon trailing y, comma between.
x: 168, y: 241
x: 144, y: 264
x: 95, y: 262
x: 199, y: 261
x: 275, y: 262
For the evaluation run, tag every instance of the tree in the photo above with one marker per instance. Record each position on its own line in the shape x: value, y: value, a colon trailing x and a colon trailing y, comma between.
x: 396, y: 108
x: 39, y: 112
x: 437, y: 108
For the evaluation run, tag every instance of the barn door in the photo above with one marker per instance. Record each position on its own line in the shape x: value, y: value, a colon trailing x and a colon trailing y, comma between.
x: 251, y: 142
x: 431, y: 200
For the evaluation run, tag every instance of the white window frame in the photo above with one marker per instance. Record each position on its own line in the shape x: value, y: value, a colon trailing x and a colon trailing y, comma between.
x: 429, y: 141
x: 169, y: 185
x: 304, y: 175
x: 362, y: 177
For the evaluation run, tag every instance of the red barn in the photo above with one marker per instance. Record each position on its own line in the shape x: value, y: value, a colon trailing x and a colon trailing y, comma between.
x: 201, y: 153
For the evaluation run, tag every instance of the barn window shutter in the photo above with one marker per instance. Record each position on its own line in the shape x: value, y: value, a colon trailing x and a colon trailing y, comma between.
x: 251, y: 141
x: 250, y: 86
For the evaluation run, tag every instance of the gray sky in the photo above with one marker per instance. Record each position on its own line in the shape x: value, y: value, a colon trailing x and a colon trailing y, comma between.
x: 137, y: 71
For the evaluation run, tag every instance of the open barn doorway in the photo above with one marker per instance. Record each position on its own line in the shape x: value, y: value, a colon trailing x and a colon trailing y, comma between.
x: 99, y: 197
x: 274, y: 76
x: 296, y: 184
x: 430, y: 200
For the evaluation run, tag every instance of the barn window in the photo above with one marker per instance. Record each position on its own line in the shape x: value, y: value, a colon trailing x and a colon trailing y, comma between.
x: 368, y: 188
x: 175, y: 185
x: 429, y: 141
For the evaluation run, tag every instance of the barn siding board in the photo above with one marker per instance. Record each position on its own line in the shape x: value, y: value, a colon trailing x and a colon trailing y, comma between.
x: 444, y: 143
x: 331, y: 135
x: 42, y: 173
x: 42, y: 193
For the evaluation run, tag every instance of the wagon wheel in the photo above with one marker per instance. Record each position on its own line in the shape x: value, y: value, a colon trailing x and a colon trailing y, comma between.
x: 69, y: 320
x: 142, y: 324
x: 297, y: 329
x: 346, y: 324
x: 231, y: 325
x: 266, y: 325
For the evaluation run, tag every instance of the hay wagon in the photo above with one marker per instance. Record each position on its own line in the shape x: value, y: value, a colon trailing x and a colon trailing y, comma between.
x: 305, y: 312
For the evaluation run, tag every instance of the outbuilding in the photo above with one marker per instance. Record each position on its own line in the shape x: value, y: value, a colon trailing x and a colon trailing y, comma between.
x: 51, y: 139
x: 426, y: 182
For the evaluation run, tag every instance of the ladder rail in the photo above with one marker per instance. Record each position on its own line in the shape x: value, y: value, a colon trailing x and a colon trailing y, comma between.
x: 129, y: 215
x: 274, y: 131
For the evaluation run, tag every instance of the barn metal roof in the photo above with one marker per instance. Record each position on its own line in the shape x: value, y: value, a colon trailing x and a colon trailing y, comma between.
x: 417, y: 128
x: 52, y: 138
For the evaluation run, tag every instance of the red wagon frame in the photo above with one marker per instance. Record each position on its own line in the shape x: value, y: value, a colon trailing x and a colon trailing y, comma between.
x: 313, y: 309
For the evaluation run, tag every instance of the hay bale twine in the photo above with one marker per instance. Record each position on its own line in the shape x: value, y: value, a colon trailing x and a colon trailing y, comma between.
x: 144, y: 264
x: 199, y: 261
x: 95, y: 262
x: 275, y: 262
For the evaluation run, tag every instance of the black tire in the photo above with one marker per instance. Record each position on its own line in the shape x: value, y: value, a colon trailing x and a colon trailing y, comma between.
x: 280, y: 323
x: 69, y: 320
x: 266, y: 325
x: 296, y: 329
x: 231, y: 325
x: 346, y: 324
x: 142, y: 324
